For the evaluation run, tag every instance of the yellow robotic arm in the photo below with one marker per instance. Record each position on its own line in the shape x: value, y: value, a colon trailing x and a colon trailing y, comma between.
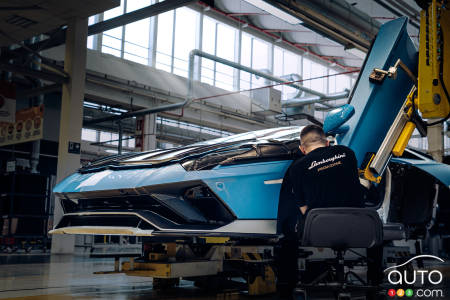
x: 429, y: 98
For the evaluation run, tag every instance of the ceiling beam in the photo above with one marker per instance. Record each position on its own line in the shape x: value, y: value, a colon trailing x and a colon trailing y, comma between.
x: 53, y: 77
x: 314, y: 17
x: 138, y: 15
x: 47, y: 89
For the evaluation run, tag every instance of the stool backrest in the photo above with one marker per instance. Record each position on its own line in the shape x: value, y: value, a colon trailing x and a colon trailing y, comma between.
x: 341, y: 228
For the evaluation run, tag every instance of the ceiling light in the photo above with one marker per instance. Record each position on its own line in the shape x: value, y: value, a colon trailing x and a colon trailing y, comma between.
x: 275, y: 11
x: 356, y: 52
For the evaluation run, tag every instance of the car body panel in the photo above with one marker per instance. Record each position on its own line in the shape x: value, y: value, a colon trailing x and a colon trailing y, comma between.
x: 376, y: 105
x: 248, y: 189
x: 248, y: 196
x: 437, y: 170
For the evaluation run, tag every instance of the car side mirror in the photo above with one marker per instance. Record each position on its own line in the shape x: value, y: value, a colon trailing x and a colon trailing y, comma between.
x: 335, y: 119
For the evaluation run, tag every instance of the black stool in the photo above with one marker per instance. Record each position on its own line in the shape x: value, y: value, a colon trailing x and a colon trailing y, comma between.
x: 342, y: 229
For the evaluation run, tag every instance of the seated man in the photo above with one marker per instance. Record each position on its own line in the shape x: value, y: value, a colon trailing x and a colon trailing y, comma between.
x: 327, y: 176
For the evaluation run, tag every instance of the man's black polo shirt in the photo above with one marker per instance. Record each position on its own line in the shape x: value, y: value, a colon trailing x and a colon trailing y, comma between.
x: 326, y: 177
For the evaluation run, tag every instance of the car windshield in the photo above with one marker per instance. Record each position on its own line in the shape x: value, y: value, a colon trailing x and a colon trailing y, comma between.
x: 204, y: 148
x: 278, y: 134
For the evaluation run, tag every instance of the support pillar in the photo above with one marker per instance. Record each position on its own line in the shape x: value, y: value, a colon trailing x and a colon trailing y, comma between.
x: 149, y: 130
x: 435, y: 138
x: 71, y: 121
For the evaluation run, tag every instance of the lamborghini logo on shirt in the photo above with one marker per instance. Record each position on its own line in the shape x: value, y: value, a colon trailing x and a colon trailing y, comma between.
x: 327, y: 160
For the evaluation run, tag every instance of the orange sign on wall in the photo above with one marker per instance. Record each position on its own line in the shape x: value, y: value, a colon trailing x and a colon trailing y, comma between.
x: 28, y: 127
x: 7, y: 102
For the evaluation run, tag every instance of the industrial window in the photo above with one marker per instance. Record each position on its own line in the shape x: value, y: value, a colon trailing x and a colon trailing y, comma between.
x: 221, y: 40
x: 209, y: 46
x: 343, y: 82
x: 332, y: 81
x: 112, y: 39
x: 105, y: 137
x: 165, y: 41
x: 169, y: 37
x: 286, y: 63
x: 91, y: 39
x: 246, y: 60
x: 226, y: 42
x: 89, y: 135
x: 317, y: 71
x: 177, y: 36
x: 137, y: 35
x: 186, y: 28
x: 255, y: 53
x: 260, y: 60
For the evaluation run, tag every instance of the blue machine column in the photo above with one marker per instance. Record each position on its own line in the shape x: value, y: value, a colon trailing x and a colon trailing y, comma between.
x: 71, y: 120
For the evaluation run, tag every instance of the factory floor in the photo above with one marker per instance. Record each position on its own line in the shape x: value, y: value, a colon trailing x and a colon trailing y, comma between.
x: 54, y: 277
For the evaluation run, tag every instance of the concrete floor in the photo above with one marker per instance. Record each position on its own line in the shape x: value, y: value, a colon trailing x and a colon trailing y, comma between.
x: 37, y: 277
x: 66, y: 277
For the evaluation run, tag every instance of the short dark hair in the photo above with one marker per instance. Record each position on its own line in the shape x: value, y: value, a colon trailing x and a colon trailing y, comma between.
x: 317, y: 135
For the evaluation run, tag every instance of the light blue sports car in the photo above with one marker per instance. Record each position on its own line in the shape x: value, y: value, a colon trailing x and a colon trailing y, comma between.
x: 229, y: 187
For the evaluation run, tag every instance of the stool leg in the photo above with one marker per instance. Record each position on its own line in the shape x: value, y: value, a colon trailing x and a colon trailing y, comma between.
x: 374, y: 265
x: 340, y: 272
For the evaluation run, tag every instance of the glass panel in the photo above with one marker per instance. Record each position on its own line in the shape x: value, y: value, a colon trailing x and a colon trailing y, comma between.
x: 224, y: 77
x: 164, y: 41
x: 307, y: 72
x: 89, y: 135
x: 208, y: 71
x: 185, y: 37
x: 260, y: 54
x: 136, y: 53
x: 90, y: 39
x: 278, y: 62
x: 112, y: 41
x: 226, y: 36
x: 112, y: 13
x: 342, y: 83
x: 209, y: 46
x: 115, y: 139
x: 209, y: 35
x: 260, y: 60
x: 105, y: 136
x: 245, y: 81
x: 332, y: 81
x: 318, y: 70
x: 137, y: 35
x: 225, y: 41
x: 246, y: 60
x: 137, y: 4
x: 291, y: 65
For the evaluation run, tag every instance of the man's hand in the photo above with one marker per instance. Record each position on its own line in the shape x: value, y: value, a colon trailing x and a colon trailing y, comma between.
x: 303, y: 209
